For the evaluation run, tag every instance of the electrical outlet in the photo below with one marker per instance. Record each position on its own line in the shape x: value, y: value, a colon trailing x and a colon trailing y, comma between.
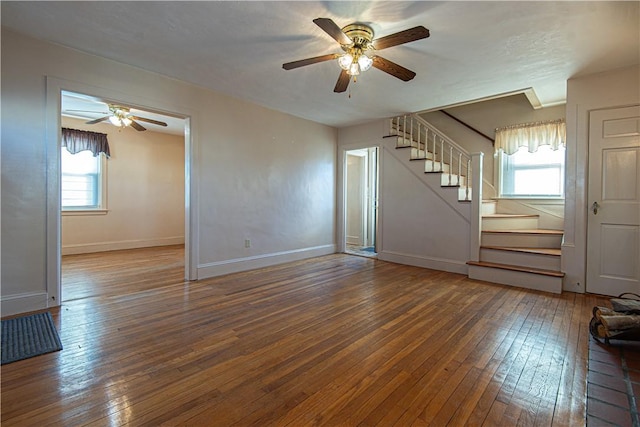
x: 247, y: 243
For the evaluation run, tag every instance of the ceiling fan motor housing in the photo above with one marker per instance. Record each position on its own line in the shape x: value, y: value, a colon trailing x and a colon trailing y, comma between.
x: 361, y: 34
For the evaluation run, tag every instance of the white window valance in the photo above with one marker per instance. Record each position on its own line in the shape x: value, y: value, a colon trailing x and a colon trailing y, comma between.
x: 531, y: 135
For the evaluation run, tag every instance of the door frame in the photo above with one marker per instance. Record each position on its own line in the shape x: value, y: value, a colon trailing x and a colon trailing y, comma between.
x: 341, y: 180
x: 54, y: 87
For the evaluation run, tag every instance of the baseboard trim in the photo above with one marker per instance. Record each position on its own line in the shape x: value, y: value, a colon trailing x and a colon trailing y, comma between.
x: 220, y: 268
x: 441, y: 264
x: 120, y: 245
x: 23, y: 303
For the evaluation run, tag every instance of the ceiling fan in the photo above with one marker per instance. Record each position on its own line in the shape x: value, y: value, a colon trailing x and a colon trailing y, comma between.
x: 358, y: 44
x: 122, y: 117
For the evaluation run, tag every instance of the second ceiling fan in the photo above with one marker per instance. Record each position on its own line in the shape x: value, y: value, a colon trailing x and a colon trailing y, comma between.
x: 358, y: 44
x: 121, y: 116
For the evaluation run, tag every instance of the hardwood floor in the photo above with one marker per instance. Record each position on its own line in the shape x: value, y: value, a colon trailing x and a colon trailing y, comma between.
x: 336, y: 340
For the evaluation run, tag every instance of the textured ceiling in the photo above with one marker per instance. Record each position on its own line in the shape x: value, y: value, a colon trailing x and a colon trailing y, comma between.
x: 476, y: 49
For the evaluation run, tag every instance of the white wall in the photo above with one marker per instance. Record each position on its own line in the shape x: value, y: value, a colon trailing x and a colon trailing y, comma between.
x: 256, y: 173
x: 584, y: 94
x: 416, y: 225
x: 145, y: 193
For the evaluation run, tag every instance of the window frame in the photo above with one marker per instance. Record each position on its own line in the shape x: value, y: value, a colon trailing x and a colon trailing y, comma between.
x: 499, y: 168
x: 101, y: 208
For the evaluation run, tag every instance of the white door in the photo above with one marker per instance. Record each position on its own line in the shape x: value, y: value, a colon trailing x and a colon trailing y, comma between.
x: 613, y: 231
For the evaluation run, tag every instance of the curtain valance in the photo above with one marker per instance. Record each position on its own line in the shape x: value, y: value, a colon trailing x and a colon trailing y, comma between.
x: 531, y: 135
x: 79, y: 140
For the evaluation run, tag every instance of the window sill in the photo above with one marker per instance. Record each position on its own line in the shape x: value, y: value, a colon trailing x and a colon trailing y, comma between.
x: 84, y: 212
x: 558, y: 200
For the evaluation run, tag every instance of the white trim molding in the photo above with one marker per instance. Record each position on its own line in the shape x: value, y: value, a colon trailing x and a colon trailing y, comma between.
x: 23, y: 303
x: 220, y: 268
x: 441, y: 264
x: 87, y: 248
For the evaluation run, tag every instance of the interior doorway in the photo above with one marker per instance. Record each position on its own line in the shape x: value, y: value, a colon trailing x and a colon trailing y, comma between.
x: 141, y: 202
x: 361, y: 201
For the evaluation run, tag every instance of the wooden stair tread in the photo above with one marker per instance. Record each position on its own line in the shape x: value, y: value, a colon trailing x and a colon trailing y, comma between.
x: 530, y: 231
x: 503, y: 215
x: 517, y: 268
x: 537, y: 251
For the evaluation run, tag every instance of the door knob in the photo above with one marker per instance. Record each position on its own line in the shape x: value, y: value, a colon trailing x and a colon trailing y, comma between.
x: 594, y: 207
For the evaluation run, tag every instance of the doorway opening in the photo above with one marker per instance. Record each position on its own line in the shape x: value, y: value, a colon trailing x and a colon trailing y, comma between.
x: 361, y: 201
x: 139, y: 199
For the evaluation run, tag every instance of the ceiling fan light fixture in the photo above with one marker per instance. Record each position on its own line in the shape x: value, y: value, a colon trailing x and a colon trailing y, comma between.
x: 354, y: 70
x: 345, y: 61
x: 364, y: 62
x: 126, y: 121
x: 115, y: 120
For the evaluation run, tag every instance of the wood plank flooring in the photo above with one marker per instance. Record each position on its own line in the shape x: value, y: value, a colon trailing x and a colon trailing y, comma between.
x: 338, y: 340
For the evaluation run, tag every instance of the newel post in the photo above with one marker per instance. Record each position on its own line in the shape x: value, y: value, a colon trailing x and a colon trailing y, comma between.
x: 476, y: 206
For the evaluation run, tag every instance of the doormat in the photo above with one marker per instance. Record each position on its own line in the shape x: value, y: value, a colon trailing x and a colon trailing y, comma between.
x: 28, y: 336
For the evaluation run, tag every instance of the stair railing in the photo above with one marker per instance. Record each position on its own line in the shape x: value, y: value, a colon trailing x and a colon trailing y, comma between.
x: 442, y: 153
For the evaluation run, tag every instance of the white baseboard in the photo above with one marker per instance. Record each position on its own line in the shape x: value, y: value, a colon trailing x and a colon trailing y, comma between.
x: 221, y: 268
x: 23, y: 303
x: 120, y: 245
x: 441, y: 264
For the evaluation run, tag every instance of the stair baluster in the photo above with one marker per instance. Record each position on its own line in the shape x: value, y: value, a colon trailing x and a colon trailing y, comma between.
x: 419, y: 131
x: 410, y: 131
x: 433, y: 151
x: 469, y: 180
x: 428, y: 143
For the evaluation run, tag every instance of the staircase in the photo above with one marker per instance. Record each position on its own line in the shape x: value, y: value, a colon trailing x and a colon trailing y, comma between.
x: 515, y: 251
x: 511, y: 248
x: 441, y: 156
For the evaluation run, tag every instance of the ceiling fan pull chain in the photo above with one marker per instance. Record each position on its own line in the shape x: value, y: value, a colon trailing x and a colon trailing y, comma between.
x: 355, y: 79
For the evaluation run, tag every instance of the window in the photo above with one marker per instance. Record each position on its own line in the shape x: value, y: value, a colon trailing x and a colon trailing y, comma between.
x: 539, y: 174
x: 81, y: 180
x: 531, y: 159
x: 83, y: 164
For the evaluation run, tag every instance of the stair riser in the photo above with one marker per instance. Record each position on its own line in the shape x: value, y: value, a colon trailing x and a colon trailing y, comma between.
x: 517, y: 278
x: 445, y: 180
x: 488, y: 208
x: 462, y: 193
x: 405, y: 142
x: 543, y: 262
x: 514, y: 223
x: 431, y: 166
x: 419, y: 154
x: 521, y: 240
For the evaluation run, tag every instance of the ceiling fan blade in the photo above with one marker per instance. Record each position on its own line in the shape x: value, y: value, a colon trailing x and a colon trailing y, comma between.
x: 392, y: 68
x: 96, y: 121
x: 406, y: 36
x: 333, y: 30
x: 144, y: 119
x: 87, y: 111
x: 343, y: 82
x: 309, y: 61
x: 137, y: 126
